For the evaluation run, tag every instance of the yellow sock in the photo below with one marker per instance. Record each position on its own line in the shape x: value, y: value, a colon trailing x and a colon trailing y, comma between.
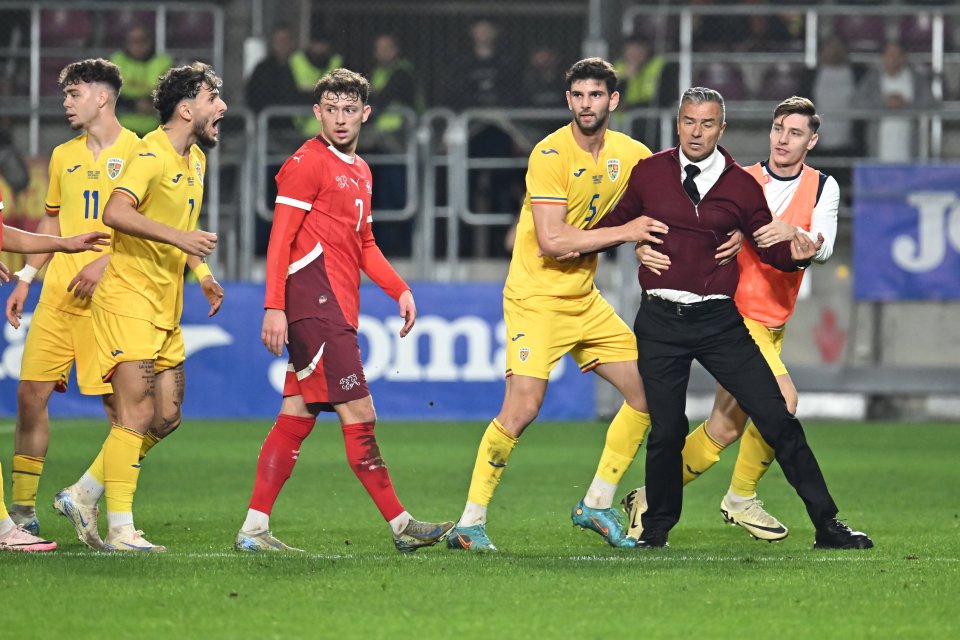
x: 26, y: 479
x: 624, y: 437
x: 700, y: 452
x: 120, y: 468
x: 754, y: 459
x: 149, y: 441
x: 495, y: 448
x: 3, y: 505
x: 96, y: 469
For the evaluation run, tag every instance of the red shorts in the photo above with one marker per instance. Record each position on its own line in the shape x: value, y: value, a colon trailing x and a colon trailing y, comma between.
x: 325, y: 364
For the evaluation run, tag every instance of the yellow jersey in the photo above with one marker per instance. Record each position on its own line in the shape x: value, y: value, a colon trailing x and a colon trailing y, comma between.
x: 145, y: 278
x: 79, y: 187
x: 561, y: 173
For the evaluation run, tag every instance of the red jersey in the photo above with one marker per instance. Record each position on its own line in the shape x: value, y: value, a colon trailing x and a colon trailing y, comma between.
x: 321, y: 236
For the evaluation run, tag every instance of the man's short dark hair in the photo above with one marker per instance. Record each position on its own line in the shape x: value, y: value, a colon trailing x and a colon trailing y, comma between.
x: 699, y: 95
x: 592, y: 69
x: 182, y: 83
x: 343, y: 83
x: 799, y: 105
x: 91, y: 70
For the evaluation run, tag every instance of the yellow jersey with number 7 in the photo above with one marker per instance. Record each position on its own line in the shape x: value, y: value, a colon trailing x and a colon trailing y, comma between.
x: 560, y: 173
x: 145, y: 278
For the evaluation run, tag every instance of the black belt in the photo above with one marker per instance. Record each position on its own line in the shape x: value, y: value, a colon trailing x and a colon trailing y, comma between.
x: 690, y: 310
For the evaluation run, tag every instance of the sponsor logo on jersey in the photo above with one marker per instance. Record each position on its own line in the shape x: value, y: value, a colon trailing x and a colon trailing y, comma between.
x: 524, y: 353
x: 176, y: 178
x: 547, y: 152
x: 579, y: 172
x: 75, y: 167
x: 114, y: 167
x: 322, y: 299
x: 148, y: 155
x: 517, y: 337
x: 613, y: 169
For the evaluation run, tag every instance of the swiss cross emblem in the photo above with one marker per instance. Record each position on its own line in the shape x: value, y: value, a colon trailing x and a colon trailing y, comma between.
x: 342, y: 182
x: 114, y: 167
x: 613, y: 169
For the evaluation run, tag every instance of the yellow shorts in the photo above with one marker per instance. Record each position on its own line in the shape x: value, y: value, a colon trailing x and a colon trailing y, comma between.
x: 55, y: 340
x: 542, y: 329
x: 770, y: 342
x: 125, y: 339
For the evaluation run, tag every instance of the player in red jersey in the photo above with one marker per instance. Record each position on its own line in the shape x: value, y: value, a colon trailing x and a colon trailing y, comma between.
x: 320, y: 241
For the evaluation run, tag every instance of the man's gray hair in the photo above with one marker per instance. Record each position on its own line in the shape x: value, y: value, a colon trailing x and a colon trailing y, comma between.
x: 699, y: 95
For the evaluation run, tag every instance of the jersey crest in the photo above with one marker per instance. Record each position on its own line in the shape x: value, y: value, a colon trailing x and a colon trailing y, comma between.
x: 613, y: 169
x: 114, y: 167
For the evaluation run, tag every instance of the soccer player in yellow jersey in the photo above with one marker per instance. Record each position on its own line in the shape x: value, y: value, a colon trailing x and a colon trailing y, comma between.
x: 153, y: 211
x: 82, y: 173
x: 575, y: 176
x: 13, y: 536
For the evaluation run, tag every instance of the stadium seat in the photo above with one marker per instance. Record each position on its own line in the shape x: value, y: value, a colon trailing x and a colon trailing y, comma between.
x: 727, y: 78
x: 116, y: 24
x: 189, y: 30
x: 782, y: 80
x: 916, y: 33
x: 65, y: 28
x: 862, y: 33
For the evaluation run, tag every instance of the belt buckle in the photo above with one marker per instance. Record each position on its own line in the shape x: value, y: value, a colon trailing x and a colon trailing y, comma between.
x: 680, y: 307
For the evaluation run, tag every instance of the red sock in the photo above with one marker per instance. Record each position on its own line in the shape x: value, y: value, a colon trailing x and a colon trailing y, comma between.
x: 277, y: 457
x: 363, y: 455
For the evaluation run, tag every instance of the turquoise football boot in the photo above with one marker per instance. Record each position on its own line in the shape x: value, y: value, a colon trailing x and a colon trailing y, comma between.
x: 609, y: 523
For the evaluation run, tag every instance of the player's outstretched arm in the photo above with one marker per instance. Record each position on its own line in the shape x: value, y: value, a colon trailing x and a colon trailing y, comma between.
x: 20, y: 241
x: 556, y: 238
x: 211, y: 289
x: 274, y: 331
x: 121, y: 214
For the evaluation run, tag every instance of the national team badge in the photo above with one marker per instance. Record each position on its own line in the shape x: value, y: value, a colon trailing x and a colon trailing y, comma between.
x: 613, y: 169
x: 524, y: 353
x: 114, y: 167
x: 342, y: 182
x: 199, y: 172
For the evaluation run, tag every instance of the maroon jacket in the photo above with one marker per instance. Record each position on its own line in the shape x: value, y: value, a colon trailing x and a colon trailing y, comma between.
x: 736, y: 201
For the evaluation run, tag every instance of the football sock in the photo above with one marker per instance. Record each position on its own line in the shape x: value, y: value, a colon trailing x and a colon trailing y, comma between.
x: 256, y: 522
x: 400, y: 523
x: 26, y: 479
x: 149, y: 441
x: 95, y: 471
x: 89, y: 489
x: 700, y: 452
x: 624, y: 437
x: 754, y: 459
x: 278, y: 455
x: 496, y: 445
x: 737, y: 500
x: 473, y: 514
x: 363, y: 456
x: 121, y: 471
x: 4, y: 516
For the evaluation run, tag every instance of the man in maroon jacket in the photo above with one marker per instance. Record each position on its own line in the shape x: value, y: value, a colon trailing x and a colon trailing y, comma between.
x: 688, y: 313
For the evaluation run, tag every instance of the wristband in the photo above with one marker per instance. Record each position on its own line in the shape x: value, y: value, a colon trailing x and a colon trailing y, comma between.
x: 27, y: 274
x: 202, y: 271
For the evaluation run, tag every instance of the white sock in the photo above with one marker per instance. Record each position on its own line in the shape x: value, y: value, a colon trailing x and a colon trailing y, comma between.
x: 739, y: 500
x: 6, y: 526
x: 600, y: 494
x: 399, y: 523
x: 90, y: 491
x: 119, y: 519
x: 473, y: 514
x: 256, y: 522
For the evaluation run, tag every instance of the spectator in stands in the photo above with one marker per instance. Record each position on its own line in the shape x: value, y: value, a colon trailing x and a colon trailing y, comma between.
x: 393, y: 83
x: 309, y: 65
x: 767, y: 32
x: 895, y: 86
x: 141, y: 67
x: 482, y: 77
x: 271, y: 82
x: 542, y: 80
x: 834, y: 89
x: 642, y: 77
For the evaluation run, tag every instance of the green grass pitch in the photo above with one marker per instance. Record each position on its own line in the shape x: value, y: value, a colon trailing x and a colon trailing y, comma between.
x: 900, y: 483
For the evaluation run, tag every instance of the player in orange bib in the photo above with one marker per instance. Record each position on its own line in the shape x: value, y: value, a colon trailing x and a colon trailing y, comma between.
x: 803, y: 200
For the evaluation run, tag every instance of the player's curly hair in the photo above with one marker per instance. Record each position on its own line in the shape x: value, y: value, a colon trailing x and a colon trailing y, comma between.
x: 343, y: 82
x: 91, y: 70
x: 799, y: 105
x: 182, y: 83
x: 593, y: 69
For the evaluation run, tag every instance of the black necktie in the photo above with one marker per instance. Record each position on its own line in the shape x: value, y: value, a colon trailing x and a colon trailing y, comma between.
x: 689, y: 185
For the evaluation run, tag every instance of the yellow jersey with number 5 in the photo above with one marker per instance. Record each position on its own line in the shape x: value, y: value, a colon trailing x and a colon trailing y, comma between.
x: 145, y: 278
x: 78, y: 190
x: 560, y: 173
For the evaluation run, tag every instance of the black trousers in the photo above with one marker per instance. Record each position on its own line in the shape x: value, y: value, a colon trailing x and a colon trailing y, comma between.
x: 669, y: 338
